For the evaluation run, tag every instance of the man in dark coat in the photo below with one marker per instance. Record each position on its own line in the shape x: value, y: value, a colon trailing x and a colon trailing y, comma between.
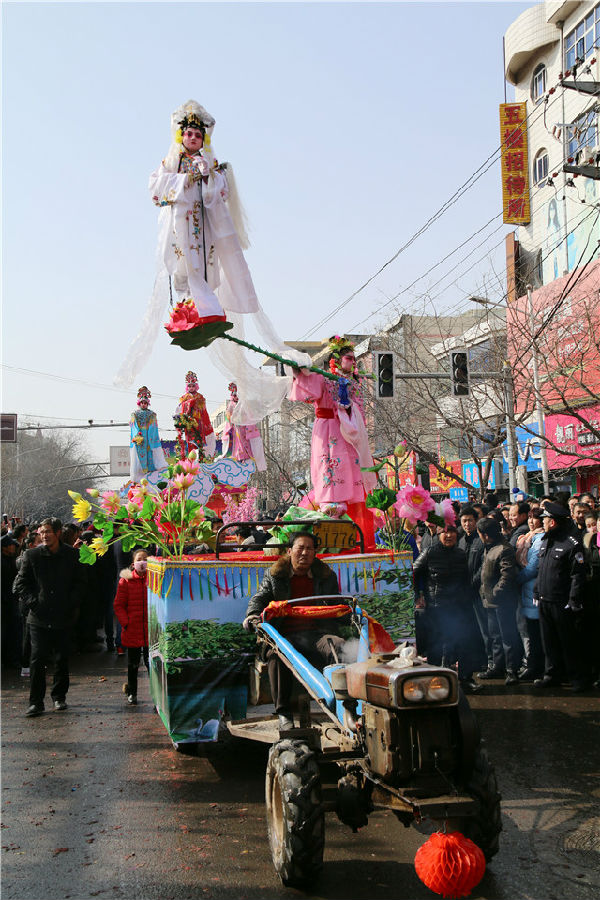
x: 500, y: 596
x: 471, y: 544
x: 442, y: 576
x: 50, y: 587
x: 11, y: 641
x: 297, y: 574
x: 559, y: 591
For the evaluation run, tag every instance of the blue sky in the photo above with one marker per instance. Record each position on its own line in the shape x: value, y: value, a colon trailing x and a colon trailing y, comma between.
x: 348, y: 125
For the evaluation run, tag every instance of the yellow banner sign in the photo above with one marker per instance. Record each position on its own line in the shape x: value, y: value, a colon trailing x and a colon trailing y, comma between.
x: 515, y: 164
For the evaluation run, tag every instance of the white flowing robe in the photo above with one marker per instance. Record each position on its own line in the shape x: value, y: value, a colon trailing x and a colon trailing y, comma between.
x: 199, y: 244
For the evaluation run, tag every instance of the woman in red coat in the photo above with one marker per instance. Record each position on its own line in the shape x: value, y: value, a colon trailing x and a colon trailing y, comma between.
x: 131, y: 609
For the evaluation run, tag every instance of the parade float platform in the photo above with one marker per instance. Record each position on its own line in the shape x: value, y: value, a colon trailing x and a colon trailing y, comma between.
x: 199, y: 654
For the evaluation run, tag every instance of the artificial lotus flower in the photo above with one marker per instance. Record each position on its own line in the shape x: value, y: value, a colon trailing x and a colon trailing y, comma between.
x: 183, y: 480
x: 197, y: 517
x: 111, y: 502
x: 446, y: 511
x: 74, y: 495
x: 183, y: 317
x: 98, y: 546
x: 193, y: 454
x: 414, y: 503
x: 92, y: 492
x: 190, y: 466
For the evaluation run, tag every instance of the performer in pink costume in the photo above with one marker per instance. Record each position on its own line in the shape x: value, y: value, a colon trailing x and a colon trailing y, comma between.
x: 340, y: 446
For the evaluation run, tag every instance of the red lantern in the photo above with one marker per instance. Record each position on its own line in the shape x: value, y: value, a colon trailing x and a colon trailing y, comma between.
x: 450, y: 864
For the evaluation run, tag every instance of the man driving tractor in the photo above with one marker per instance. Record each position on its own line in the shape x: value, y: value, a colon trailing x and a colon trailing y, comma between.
x: 297, y: 574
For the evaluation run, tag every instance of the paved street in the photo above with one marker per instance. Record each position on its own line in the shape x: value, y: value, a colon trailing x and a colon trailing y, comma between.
x: 97, y: 803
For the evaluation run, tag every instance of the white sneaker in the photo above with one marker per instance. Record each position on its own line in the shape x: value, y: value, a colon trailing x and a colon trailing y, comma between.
x: 25, y: 672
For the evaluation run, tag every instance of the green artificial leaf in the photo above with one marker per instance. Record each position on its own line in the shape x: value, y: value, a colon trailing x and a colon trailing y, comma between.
x: 148, y: 508
x: 121, y: 514
x: 108, y: 532
x: 86, y: 556
x: 380, y: 498
x: 129, y: 541
x: 161, y: 485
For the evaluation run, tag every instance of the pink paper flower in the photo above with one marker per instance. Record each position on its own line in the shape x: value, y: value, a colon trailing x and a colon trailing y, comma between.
x: 413, y: 503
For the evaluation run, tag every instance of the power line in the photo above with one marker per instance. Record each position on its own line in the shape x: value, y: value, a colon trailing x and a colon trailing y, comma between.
x: 467, y: 185
x: 68, y: 380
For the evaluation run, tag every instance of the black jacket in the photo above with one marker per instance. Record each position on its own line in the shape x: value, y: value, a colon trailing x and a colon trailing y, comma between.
x: 442, y: 574
x: 50, y: 586
x: 472, y: 545
x: 561, y: 575
x: 276, y: 584
x: 499, y: 575
x: 516, y: 534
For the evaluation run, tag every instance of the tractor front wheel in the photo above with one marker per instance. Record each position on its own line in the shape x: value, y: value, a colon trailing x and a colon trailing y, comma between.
x: 295, y: 817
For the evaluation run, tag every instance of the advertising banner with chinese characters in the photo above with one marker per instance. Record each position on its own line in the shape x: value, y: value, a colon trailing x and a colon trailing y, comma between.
x: 515, y: 163
x: 441, y: 484
x: 579, y: 445
x: 566, y: 316
x: 470, y: 473
x: 407, y: 473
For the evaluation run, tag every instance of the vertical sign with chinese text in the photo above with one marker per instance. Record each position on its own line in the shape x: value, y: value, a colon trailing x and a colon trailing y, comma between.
x: 515, y: 164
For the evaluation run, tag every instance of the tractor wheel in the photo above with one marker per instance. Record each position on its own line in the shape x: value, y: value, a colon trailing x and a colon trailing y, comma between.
x: 485, y: 825
x: 295, y: 817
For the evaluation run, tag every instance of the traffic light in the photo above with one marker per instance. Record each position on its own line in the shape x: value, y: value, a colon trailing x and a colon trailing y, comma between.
x: 459, y: 364
x: 385, y: 375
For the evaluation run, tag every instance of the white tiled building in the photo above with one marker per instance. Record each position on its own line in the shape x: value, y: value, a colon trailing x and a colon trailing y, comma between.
x: 544, y: 43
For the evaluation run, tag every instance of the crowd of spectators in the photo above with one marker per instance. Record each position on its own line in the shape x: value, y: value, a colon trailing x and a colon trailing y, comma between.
x: 512, y: 591
x: 33, y: 557
x: 527, y: 575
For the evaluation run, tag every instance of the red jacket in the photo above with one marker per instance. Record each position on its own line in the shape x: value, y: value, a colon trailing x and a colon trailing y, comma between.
x: 131, y: 608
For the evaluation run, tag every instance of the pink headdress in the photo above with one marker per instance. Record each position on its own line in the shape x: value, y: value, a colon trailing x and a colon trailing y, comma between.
x: 191, y: 382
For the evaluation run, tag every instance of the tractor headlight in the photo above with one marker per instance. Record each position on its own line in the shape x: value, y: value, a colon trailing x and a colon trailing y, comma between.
x: 419, y: 690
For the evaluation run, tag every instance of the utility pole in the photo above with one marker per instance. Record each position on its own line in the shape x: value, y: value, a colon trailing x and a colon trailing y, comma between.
x: 538, y: 397
x: 509, y: 409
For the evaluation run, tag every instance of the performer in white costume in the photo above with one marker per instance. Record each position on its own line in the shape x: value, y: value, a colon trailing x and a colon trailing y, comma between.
x: 197, y: 237
x: 202, y: 236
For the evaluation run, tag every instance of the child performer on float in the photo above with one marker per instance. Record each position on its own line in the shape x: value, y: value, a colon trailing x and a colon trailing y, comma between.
x: 194, y: 428
x: 199, y: 241
x: 340, y: 446
x: 242, y: 442
x: 146, y: 453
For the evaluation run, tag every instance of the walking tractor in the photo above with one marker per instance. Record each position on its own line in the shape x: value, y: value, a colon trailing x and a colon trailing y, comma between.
x: 397, y: 733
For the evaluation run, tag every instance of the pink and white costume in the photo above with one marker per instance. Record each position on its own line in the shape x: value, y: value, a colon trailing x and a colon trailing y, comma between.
x: 339, y: 440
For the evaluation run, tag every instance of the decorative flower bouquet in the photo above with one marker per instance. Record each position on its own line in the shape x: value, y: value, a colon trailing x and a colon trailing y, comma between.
x: 415, y: 504
x: 163, y: 516
x: 412, y: 504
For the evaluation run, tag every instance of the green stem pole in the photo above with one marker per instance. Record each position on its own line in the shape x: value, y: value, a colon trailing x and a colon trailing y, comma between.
x: 281, y: 359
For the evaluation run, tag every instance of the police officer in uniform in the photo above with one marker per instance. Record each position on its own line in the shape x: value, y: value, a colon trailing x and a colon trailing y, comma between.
x: 559, y: 592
